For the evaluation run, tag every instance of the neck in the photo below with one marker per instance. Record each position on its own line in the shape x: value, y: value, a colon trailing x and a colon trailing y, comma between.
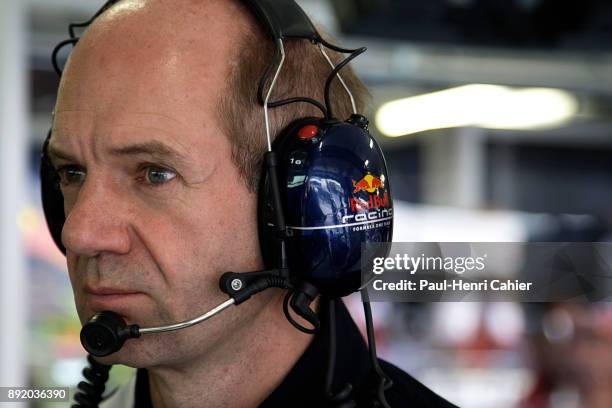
x: 265, y: 350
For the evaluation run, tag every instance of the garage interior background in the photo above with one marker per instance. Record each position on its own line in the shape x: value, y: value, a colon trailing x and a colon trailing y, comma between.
x: 495, y: 117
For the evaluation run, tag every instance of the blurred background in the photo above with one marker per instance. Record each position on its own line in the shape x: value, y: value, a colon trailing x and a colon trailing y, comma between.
x: 496, y: 121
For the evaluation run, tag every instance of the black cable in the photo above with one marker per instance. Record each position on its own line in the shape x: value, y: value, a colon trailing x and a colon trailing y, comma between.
x: 331, y: 359
x: 340, y: 398
x: 288, y: 101
x: 56, y: 51
x: 102, y: 9
x: 73, y: 38
x: 90, y: 392
x: 333, y: 76
x: 336, y: 48
x: 259, y: 286
x: 384, y: 381
x: 291, y: 320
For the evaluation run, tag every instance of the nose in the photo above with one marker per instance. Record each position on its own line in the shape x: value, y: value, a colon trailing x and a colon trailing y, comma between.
x: 98, y: 222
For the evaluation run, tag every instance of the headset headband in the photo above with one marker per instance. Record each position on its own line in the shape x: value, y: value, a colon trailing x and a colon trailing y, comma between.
x: 283, y: 19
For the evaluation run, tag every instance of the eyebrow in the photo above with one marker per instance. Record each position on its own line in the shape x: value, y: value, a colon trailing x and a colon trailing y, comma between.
x: 155, y: 149
x: 55, y: 152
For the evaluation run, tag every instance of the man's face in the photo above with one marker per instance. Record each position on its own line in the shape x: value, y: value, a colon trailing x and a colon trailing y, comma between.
x: 156, y: 210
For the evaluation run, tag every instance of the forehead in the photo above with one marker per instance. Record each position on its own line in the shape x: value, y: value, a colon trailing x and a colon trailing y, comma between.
x: 71, y: 127
x: 142, y: 63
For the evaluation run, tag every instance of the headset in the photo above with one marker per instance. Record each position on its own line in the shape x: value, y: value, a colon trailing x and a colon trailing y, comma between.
x: 324, y: 192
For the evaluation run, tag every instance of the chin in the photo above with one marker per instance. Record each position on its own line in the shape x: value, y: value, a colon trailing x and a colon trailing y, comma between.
x: 135, y: 353
x: 148, y: 351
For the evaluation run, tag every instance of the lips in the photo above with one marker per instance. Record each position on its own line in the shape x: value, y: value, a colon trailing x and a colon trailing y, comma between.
x: 108, y: 291
x: 120, y: 300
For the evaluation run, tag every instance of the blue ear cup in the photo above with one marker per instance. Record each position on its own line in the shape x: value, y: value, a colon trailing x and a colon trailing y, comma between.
x: 335, y: 195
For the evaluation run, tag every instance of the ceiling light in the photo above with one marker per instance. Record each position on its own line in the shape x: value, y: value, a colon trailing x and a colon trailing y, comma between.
x: 479, y: 105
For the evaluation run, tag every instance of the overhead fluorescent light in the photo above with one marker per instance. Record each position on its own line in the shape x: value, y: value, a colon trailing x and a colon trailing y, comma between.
x: 478, y: 105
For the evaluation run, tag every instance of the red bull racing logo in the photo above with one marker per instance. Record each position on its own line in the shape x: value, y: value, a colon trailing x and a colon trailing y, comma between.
x: 375, y: 206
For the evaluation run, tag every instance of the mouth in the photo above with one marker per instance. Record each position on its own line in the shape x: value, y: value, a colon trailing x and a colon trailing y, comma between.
x: 108, y: 291
x: 114, y: 299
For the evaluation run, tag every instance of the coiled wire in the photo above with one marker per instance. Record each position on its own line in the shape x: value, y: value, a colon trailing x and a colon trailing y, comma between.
x: 90, y: 391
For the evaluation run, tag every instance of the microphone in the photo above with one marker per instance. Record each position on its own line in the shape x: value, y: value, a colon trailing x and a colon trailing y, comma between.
x: 106, y: 332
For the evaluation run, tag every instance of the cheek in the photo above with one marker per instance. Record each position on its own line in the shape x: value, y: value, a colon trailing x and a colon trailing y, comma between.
x: 224, y: 230
x: 232, y: 224
x: 217, y: 231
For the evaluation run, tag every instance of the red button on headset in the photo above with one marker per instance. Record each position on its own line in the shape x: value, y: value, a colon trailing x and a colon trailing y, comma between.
x: 308, y: 132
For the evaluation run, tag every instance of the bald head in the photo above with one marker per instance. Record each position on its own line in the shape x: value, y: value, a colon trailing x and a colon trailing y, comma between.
x: 173, y: 54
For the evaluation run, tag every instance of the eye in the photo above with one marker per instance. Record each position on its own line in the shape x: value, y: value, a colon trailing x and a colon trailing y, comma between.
x: 70, y: 174
x: 158, y: 175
